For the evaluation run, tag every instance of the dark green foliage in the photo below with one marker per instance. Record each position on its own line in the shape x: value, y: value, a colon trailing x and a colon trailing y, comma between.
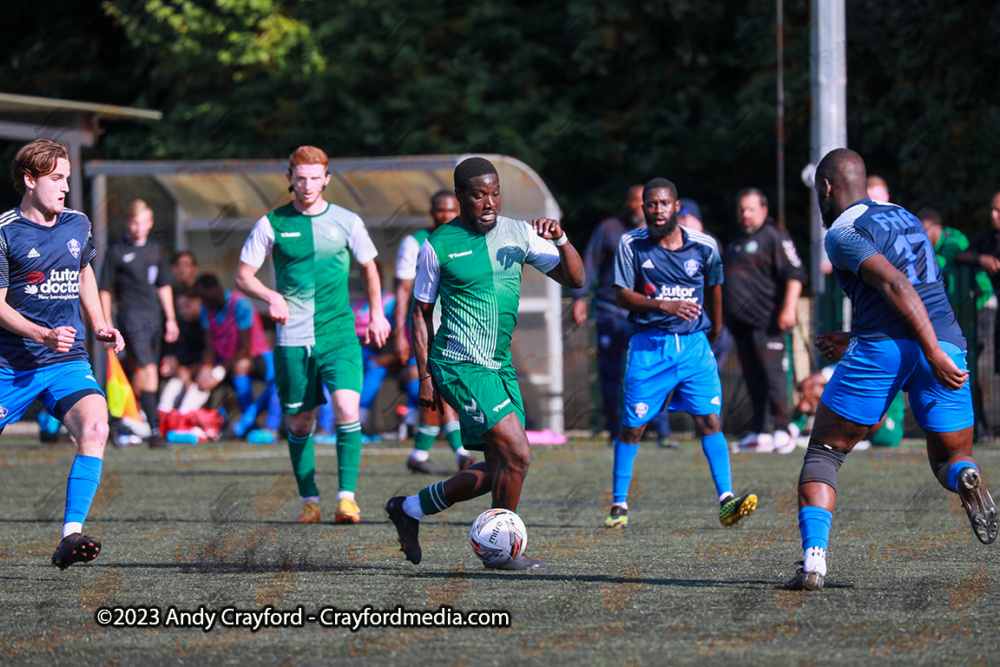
x: 595, y: 96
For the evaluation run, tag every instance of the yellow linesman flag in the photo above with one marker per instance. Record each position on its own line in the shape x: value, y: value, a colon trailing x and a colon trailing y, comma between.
x: 121, y: 398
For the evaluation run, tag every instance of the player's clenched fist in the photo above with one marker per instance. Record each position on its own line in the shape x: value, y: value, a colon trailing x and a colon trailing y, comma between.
x: 59, y: 339
x: 112, y: 337
x: 547, y: 228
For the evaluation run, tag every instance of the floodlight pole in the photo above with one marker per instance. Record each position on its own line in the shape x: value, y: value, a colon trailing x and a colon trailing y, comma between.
x: 780, y: 34
x: 828, y: 69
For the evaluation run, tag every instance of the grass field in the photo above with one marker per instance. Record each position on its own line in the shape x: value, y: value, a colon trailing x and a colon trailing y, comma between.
x: 213, y: 526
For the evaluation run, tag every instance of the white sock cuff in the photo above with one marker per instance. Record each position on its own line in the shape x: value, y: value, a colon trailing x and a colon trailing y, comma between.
x: 411, y: 506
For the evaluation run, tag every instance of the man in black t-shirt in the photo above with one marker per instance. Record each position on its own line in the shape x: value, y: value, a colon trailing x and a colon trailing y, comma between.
x: 133, y: 272
x: 764, y: 277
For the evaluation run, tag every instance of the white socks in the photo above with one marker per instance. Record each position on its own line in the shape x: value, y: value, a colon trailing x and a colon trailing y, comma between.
x: 411, y: 506
x: 815, y: 560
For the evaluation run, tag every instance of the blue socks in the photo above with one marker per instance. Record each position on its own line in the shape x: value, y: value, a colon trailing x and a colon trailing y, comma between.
x: 243, y: 384
x: 717, y: 452
x: 622, y: 471
x: 814, y: 524
x: 84, y: 478
x: 953, y: 472
x: 413, y: 396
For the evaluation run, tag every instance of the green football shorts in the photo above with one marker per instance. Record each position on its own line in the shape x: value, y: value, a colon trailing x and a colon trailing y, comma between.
x: 301, y: 372
x: 481, y: 396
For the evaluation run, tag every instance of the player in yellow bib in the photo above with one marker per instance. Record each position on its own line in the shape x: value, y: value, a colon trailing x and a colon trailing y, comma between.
x: 311, y: 242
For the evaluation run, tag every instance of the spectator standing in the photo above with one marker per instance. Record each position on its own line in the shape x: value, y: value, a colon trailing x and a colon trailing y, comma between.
x: 763, y: 281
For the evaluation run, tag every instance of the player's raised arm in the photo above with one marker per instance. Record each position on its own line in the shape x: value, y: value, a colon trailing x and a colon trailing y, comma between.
x: 904, y: 300
x: 569, y: 272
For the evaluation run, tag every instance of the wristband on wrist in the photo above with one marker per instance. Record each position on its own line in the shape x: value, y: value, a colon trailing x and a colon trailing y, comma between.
x: 424, y: 378
x: 562, y: 240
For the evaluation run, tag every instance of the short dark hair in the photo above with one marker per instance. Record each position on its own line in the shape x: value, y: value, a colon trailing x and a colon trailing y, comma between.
x: 182, y: 253
x: 656, y: 184
x: 207, y: 281
x: 471, y: 168
x: 752, y: 191
x: 930, y: 213
x: 440, y: 193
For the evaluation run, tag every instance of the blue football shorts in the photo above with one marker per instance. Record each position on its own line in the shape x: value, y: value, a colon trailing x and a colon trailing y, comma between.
x: 60, y: 386
x: 872, y: 372
x: 658, y: 363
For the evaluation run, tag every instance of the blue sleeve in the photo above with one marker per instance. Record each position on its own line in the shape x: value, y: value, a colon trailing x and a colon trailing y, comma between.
x: 204, y: 318
x: 88, y: 253
x: 625, y: 263
x: 243, y: 312
x: 713, y: 268
x: 4, y: 269
x: 848, y: 246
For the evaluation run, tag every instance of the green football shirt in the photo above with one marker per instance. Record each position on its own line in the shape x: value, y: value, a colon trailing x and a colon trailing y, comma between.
x: 952, y: 242
x: 477, y: 278
x: 312, y: 259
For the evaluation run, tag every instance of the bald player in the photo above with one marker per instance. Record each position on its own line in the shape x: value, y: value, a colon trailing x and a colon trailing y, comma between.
x: 905, y: 337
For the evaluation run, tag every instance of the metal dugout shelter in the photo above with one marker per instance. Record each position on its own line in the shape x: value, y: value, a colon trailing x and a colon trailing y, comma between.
x: 209, y: 207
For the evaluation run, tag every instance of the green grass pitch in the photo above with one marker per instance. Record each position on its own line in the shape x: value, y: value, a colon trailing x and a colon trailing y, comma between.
x: 212, y: 526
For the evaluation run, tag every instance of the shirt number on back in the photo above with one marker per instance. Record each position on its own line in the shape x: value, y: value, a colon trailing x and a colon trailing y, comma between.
x: 905, y: 244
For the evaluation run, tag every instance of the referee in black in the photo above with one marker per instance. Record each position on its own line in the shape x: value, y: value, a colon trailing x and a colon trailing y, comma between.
x: 763, y: 282
x: 133, y: 271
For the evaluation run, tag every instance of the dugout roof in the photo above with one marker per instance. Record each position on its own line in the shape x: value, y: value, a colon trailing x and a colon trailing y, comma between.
x: 209, y: 207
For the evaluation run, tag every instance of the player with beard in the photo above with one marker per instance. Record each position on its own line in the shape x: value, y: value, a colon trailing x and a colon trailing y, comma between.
x: 474, y: 266
x: 904, y: 337
x: 670, y: 279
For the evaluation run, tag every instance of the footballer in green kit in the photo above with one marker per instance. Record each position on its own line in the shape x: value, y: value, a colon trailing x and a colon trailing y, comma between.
x: 311, y: 242
x: 473, y: 266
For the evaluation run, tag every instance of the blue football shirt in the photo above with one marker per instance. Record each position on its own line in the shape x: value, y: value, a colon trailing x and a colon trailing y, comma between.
x: 644, y: 266
x: 40, y: 268
x: 867, y: 228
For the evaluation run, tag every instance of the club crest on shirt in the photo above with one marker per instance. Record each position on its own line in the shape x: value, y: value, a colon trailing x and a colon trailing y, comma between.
x: 691, y: 267
x: 74, y: 248
x: 751, y: 247
x: 510, y: 255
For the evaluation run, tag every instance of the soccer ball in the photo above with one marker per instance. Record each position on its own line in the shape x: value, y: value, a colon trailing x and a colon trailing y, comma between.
x: 498, y: 536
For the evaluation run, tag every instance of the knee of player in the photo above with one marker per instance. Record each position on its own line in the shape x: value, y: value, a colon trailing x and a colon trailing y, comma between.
x: 94, y: 433
x: 630, y: 435
x: 242, y: 367
x: 517, y: 457
x: 708, y: 424
x: 301, y: 424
